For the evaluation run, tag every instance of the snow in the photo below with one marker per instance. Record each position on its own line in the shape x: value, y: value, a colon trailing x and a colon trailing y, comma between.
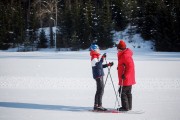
x: 133, y: 39
x: 59, y: 85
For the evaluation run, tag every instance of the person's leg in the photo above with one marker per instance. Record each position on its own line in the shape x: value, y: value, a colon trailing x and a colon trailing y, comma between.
x: 129, y: 96
x: 101, y: 91
x: 99, y: 94
x: 96, y: 98
x: 124, y: 98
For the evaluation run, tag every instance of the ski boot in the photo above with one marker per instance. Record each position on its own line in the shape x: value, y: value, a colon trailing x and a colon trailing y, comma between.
x: 99, y: 108
x: 122, y: 109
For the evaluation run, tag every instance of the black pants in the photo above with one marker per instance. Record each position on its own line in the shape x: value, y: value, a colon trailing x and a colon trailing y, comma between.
x: 126, y: 97
x: 99, y: 91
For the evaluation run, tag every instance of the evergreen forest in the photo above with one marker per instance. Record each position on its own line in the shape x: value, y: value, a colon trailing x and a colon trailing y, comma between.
x: 79, y: 23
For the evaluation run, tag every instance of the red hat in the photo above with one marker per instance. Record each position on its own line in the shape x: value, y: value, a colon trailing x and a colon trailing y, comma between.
x: 121, y: 45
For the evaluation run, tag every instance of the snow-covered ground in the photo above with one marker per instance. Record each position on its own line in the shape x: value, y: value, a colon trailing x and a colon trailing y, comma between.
x: 59, y: 85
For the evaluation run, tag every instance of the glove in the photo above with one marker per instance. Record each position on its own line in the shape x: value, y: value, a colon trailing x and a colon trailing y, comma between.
x: 123, y: 77
x: 104, y: 55
x: 110, y: 64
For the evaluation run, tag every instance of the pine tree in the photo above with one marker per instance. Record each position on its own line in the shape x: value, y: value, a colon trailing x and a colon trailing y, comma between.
x: 13, y: 27
x: 2, y: 24
x: 42, y: 40
x: 75, y: 42
x: 119, y: 14
x: 105, y: 27
x: 20, y: 24
x: 159, y: 21
x: 34, y: 23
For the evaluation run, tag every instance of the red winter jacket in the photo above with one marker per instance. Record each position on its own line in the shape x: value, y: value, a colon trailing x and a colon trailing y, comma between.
x: 126, y: 67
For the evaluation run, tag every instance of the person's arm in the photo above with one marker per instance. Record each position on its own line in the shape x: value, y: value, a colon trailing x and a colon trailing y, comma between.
x: 128, y: 63
x: 109, y: 64
x: 98, y: 64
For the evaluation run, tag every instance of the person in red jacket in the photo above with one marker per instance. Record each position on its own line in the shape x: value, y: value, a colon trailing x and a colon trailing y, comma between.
x: 126, y: 75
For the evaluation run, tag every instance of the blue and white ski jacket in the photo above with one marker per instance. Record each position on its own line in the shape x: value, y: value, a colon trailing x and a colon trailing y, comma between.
x: 97, y: 65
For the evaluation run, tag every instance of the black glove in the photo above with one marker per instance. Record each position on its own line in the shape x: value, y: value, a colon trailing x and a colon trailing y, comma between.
x: 110, y: 64
x: 123, y: 77
x: 104, y: 55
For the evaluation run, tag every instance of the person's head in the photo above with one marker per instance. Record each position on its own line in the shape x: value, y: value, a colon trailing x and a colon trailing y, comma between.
x: 94, y: 47
x: 121, y: 46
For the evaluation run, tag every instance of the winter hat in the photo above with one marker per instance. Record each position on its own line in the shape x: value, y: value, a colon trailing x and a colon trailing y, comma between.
x: 94, y: 47
x: 121, y: 45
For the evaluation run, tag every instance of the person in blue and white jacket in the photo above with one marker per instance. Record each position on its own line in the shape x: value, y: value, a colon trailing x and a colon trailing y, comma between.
x: 98, y: 73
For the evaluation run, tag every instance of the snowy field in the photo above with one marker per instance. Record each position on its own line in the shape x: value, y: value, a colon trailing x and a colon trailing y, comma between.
x: 59, y: 86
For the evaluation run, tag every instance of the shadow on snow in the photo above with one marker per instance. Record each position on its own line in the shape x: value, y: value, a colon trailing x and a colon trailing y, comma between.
x: 43, y: 107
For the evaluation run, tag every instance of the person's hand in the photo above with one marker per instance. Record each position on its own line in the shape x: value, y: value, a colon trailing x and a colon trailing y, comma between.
x: 104, y: 55
x: 123, y: 77
x: 110, y: 64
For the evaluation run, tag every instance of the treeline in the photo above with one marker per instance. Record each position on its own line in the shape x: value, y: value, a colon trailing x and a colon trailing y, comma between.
x: 82, y: 22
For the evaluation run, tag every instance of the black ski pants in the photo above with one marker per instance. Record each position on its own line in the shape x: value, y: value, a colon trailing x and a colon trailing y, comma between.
x: 126, y: 97
x: 99, y: 91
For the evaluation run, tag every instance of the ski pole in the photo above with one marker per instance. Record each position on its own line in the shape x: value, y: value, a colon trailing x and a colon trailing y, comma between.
x: 120, y: 92
x: 107, y: 76
x: 121, y: 89
x: 108, y: 73
x: 121, y: 85
x: 112, y: 83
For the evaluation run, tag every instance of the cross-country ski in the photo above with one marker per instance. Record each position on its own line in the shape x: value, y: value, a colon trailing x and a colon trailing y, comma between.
x: 116, y: 111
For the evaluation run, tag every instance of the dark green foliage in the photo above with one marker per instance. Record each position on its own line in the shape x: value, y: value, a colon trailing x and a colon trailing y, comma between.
x: 159, y: 21
x: 42, y: 40
x: 82, y: 22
